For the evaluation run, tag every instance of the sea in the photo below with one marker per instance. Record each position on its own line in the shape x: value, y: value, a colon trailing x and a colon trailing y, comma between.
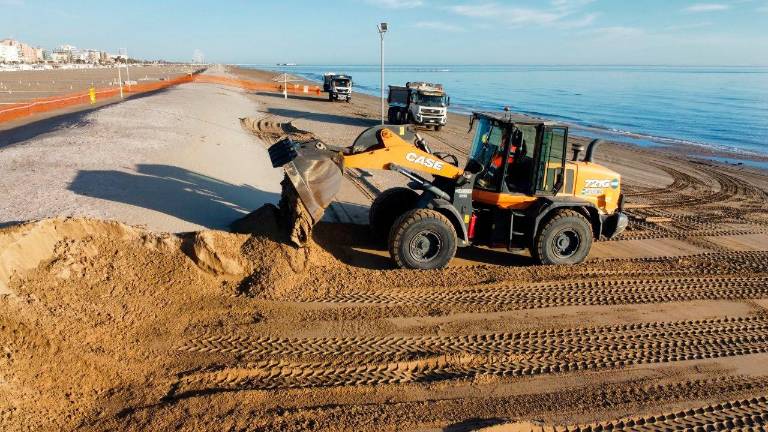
x: 720, y: 107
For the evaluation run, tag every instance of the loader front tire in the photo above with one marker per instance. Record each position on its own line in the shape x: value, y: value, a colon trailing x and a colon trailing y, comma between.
x: 565, y: 238
x: 422, y: 239
x: 387, y: 207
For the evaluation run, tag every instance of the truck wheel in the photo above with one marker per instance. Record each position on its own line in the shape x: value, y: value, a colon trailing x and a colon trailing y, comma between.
x: 387, y: 207
x: 566, y: 238
x: 422, y: 239
x: 330, y: 97
x: 349, y: 100
x: 392, y: 115
x: 438, y: 127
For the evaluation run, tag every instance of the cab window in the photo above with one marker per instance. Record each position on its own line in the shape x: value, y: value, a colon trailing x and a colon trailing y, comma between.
x: 551, y: 159
x: 521, y: 167
x: 490, y: 149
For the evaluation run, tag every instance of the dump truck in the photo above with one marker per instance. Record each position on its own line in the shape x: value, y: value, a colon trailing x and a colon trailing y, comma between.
x: 519, y: 190
x: 338, y: 87
x: 419, y: 103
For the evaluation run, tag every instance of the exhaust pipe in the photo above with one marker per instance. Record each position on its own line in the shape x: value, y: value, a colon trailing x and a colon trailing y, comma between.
x: 577, y: 148
x: 591, y: 149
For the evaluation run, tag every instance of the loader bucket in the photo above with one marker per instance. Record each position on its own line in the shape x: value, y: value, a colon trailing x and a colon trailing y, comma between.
x: 313, y: 176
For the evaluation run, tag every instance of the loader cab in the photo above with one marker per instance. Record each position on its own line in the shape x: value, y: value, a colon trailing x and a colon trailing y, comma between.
x: 519, y: 155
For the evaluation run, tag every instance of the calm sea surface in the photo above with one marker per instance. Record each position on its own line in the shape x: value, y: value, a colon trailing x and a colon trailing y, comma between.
x: 722, y: 107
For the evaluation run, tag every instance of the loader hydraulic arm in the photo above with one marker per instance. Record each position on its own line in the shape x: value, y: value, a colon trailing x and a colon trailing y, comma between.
x: 392, y: 149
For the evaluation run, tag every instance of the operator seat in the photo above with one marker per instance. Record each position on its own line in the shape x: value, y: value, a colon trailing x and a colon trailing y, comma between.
x: 520, y: 171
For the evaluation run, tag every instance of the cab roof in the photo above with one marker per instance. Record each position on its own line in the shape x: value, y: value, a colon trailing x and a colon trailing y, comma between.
x: 508, y: 117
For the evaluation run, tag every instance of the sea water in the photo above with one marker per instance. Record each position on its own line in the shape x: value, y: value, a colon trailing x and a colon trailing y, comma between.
x: 721, y: 107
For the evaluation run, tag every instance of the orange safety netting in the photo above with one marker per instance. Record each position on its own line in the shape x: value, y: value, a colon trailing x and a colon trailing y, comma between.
x: 41, y: 105
x: 257, y: 86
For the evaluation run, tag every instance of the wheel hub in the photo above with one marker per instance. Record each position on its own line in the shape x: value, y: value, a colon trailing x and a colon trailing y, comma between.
x: 425, y: 246
x: 566, y: 243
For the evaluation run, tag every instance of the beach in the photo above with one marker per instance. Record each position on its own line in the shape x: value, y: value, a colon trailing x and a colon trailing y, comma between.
x: 127, y: 301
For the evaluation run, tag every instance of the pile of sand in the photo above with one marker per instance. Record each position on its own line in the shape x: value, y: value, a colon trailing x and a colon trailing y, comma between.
x: 90, y: 311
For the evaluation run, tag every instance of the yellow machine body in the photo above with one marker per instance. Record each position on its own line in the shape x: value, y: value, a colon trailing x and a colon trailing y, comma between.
x: 395, y: 150
x: 592, y: 182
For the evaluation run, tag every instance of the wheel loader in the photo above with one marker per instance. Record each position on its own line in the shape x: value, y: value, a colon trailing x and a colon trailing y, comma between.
x: 518, y: 190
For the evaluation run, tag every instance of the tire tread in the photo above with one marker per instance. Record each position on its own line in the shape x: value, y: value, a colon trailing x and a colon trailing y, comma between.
x: 406, y: 220
x: 538, y: 247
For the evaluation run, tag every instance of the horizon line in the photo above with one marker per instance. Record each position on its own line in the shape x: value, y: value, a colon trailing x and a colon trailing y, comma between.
x: 501, y: 64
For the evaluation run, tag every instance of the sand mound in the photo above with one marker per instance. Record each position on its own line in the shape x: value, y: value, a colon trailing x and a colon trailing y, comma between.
x: 23, y: 247
x: 90, y: 311
x: 271, y: 131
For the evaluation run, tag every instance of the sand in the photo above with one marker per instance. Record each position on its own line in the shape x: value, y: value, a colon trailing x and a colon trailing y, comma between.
x: 168, y: 162
x: 109, y: 326
x: 20, y: 86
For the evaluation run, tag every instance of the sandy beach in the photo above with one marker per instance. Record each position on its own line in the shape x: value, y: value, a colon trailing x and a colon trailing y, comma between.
x: 19, y: 86
x: 127, y: 304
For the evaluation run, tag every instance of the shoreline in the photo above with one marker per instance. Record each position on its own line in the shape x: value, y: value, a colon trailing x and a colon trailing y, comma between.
x: 703, y: 151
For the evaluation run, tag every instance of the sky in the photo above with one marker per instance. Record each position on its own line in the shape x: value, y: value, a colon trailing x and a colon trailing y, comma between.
x: 561, y: 32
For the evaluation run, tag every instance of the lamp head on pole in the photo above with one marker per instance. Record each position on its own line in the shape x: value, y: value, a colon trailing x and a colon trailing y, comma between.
x: 383, y: 28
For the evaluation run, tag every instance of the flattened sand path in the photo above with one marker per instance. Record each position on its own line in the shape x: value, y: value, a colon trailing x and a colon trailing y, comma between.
x: 174, y: 161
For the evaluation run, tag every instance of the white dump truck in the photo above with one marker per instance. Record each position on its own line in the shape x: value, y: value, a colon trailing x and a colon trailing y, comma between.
x: 339, y: 87
x: 420, y: 103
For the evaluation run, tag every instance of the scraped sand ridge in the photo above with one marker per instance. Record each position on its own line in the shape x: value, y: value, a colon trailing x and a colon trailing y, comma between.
x: 91, y: 310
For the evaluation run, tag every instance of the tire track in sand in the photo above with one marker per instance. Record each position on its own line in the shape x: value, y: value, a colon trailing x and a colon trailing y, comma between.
x: 743, y: 415
x: 466, y: 357
x: 583, y: 293
x: 575, y: 340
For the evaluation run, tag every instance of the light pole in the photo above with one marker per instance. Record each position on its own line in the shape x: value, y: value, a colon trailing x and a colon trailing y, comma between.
x: 382, y: 29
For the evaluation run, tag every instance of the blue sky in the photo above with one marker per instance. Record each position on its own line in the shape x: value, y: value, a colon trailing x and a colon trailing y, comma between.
x: 680, y: 32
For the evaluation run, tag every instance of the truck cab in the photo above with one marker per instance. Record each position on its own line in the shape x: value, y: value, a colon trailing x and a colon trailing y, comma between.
x: 338, y: 87
x: 419, y: 103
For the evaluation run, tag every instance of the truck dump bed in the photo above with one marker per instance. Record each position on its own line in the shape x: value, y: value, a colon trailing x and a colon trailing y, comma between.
x: 398, y: 95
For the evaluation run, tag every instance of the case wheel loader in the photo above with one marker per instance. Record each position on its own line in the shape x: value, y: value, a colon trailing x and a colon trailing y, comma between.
x: 517, y: 191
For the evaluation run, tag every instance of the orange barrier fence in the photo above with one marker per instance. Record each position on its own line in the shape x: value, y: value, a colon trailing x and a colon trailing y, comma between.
x: 257, y: 86
x: 41, y: 105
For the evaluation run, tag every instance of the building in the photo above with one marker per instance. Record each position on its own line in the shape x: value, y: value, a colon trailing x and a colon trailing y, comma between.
x: 92, y: 56
x: 9, y: 54
x: 61, y: 56
x: 27, y: 53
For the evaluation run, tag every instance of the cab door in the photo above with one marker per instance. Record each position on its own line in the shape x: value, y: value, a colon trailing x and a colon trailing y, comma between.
x: 550, y: 160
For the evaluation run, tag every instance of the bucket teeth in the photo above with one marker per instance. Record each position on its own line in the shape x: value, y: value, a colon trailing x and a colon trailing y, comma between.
x: 282, y: 152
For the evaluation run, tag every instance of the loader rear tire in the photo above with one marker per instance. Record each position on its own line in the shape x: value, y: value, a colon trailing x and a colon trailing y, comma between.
x: 422, y: 239
x: 565, y: 238
x: 387, y: 207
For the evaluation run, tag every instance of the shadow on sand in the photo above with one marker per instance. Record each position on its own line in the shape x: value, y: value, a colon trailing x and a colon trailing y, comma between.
x: 474, y: 424
x: 354, y: 245
x: 184, y: 194
x: 215, y: 204
x: 325, y: 118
